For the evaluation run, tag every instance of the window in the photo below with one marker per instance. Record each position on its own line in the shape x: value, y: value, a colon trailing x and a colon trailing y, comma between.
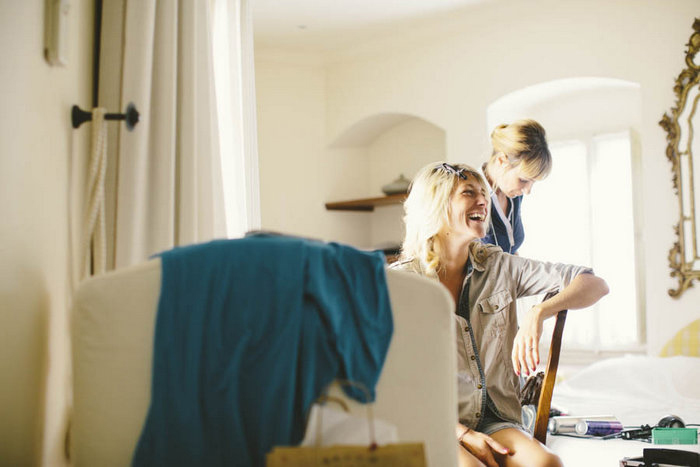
x: 233, y: 75
x: 583, y: 213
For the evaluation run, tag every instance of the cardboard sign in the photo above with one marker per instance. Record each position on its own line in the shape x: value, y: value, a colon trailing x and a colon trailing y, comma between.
x: 390, y: 455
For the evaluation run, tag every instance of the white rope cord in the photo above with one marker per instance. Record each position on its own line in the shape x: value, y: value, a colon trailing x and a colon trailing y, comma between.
x: 95, y: 247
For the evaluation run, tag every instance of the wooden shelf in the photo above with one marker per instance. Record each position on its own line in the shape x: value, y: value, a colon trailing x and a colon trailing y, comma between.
x: 367, y: 204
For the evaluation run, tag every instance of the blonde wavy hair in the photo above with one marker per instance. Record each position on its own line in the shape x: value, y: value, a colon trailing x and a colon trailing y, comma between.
x: 427, y: 211
x: 524, y: 143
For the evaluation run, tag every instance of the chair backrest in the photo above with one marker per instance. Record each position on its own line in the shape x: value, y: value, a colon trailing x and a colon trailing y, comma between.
x: 550, y: 376
x: 113, y: 324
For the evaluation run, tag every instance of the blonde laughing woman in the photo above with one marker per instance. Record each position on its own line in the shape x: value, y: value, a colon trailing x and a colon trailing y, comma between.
x: 447, y: 214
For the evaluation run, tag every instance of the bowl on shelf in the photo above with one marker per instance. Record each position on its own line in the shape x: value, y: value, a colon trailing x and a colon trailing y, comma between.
x: 398, y: 186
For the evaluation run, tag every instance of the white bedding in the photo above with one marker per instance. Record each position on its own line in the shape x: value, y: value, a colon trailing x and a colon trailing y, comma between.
x: 637, y: 390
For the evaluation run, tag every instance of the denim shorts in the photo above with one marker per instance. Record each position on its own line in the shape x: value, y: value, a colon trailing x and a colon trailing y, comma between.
x: 492, y: 423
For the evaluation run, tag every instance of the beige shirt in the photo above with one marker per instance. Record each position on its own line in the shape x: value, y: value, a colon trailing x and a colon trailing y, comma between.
x: 485, y: 341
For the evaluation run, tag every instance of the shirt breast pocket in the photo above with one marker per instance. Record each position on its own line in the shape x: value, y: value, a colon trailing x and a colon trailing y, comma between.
x: 493, y: 312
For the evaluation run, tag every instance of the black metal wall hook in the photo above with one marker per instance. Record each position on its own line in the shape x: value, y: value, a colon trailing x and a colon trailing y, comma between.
x: 131, y: 116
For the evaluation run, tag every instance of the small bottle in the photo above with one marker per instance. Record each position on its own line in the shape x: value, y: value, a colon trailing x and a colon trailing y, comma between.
x: 567, y: 424
x: 598, y: 428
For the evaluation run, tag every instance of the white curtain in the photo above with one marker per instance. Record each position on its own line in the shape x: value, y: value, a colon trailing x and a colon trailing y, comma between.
x: 188, y: 171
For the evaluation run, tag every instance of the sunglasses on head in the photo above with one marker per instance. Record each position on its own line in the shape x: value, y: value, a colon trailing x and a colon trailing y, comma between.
x: 451, y: 169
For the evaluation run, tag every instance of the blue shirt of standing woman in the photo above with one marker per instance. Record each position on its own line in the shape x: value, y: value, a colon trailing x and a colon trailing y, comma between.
x: 506, y: 231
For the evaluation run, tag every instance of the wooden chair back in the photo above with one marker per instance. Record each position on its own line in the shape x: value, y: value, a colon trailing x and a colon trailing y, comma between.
x: 550, y: 375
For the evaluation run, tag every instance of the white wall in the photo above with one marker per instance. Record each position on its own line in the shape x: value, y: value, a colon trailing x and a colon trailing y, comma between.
x: 42, y: 162
x: 297, y: 173
x: 449, y: 73
x: 293, y: 147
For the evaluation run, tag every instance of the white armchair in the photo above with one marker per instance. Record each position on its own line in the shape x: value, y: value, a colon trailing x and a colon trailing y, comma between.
x: 112, y: 338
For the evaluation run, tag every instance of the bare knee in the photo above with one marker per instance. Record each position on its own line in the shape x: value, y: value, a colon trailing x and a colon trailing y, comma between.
x: 543, y: 457
x: 525, y: 450
x: 551, y: 460
x: 466, y: 459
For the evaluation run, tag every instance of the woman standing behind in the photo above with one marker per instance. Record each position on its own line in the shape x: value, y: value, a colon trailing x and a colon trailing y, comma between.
x: 520, y: 157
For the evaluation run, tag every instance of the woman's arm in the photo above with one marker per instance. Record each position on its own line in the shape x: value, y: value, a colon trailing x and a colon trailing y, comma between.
x: 583, y: 291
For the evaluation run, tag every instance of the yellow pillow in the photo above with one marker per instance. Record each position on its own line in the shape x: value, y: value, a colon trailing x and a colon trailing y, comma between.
x: 685, y: 342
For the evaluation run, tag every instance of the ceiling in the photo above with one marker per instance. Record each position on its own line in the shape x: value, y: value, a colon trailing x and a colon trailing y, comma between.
x: 330, y: 25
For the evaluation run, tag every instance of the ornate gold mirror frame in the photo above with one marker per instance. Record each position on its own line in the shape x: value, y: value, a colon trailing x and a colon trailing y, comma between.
x: 682, y: 143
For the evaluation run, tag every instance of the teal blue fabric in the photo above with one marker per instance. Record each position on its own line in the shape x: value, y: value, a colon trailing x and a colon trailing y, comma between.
x: 248, y: 334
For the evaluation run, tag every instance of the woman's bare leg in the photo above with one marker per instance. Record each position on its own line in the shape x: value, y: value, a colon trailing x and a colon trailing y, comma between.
x: 525, y: 451
x: 466, y: 459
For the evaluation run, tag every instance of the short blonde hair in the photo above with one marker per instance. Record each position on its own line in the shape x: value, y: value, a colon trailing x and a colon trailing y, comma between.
x: 524, y: 143
x: 427, y: 211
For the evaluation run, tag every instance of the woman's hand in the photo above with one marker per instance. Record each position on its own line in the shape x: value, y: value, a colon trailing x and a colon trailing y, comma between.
x: 585, y: 290
x: 480, y: 445
x: 526, y: 352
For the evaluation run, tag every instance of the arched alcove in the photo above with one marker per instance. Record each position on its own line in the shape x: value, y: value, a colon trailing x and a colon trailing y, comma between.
x: 572, y: 106
x: 588, y: 211
x: 364, y: 131
x: 383, y: 147
x: 394, y: 144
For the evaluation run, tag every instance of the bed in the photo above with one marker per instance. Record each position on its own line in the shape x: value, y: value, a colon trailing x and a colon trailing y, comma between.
x: 637, y: 390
